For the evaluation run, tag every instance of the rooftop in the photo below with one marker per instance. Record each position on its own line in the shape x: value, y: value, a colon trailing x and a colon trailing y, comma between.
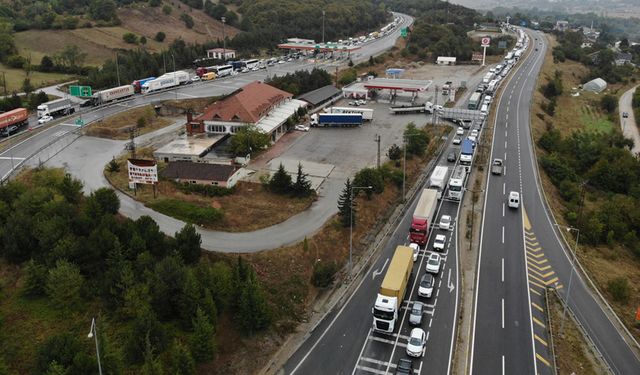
x: 279, y: 115
x: 198, y: 171
x: 398, y: 84
x: 318, y: 96
x: 189, y: 146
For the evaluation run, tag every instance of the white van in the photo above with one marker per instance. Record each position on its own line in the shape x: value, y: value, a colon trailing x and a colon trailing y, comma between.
x: 484, y: 109
x: 514, y: 199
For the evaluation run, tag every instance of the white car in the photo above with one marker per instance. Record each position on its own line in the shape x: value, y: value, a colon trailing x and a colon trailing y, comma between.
x: 472, y: 139
x: 417, y: 342
x: 440, y: 242
x: 416, y: 250
x: 281, y: 62
x: 302, y: 128
x: 433, y: 264
x: 425, y: 289
x: 44, y: 119
x: 514, y: 199
x: 474, y: 133
x: 195, y: 79
x: 445, y: 222
x: 460, y: 131
x: 457, y: 140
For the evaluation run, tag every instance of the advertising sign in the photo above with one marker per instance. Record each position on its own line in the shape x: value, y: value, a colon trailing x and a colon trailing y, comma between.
x: 477, y: 56
x: 142, y: 171
x: 486, y: 41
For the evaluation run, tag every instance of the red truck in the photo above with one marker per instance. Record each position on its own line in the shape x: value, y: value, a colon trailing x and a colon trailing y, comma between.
x: 11, y: 121
x: 423, y: 216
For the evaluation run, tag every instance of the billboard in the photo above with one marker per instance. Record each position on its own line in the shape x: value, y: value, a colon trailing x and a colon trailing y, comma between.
x: 142, y: 171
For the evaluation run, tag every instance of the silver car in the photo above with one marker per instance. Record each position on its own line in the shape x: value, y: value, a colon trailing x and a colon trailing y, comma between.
x: 415, y: 317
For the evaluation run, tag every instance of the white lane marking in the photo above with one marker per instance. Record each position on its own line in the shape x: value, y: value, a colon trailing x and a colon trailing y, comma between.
x: 376, y: 272
x: 11, y: 158
x: 504, y: 187
x: 503, y: 234
x: 502, y: 209
x: 502, y: 312
x: 502, y: 261
x: 505, y: 144
x: 502, y: 365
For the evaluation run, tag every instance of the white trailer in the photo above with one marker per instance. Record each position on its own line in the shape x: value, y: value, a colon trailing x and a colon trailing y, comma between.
x: 182, y: 76
x: 487, y: 77
x: 115, y: 93
x: 55, y: 107
x: 438, y: 178
x: 492, y: 86
x: 164, y: 82
x: 427, y: 107
x: 367, y: 113
x: 456, y: 183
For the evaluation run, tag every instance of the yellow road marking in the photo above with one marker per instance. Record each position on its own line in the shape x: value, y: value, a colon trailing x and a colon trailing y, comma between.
x: 536, y: 255
x: 536, y: 306
x: 555, y: 279
x: 538, y: 280
x: 534, y: 249
x: 533, y: 243
x: 540, y: 268
x: 535, y: 260
x: 535, y: 291
x: 559, y: 286
x: 545, y: 275
x: 543, y: 360
x: 536, y: 284
x: 538, y: 322
x: 540, y: 340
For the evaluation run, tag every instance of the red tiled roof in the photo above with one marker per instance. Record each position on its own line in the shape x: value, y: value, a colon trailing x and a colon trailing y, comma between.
x: 249, y: 105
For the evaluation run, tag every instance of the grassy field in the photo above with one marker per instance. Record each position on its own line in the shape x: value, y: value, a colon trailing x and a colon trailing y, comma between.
x: 15, y: 78
x: 118, y: 126
x: 602, y: 263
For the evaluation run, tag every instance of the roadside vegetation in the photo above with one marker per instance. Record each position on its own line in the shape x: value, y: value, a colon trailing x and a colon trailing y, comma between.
x: 138, y: 121
x: 302, y: 81
x: 590, y: 178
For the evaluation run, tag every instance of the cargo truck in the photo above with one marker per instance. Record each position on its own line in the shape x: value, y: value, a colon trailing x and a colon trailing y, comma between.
x: 466, y: 152
x: 120, y: 92
x: 438, y: 178
x: 456, y: 183
x: 13, y: 120
x: 413, y: 108
x: 422, y: 216
x: 55, y: 108
x: 336, y: 119
x: 392, y: 291
x: 164, y: 82
x: 367, y: 113
x: 137, y: 84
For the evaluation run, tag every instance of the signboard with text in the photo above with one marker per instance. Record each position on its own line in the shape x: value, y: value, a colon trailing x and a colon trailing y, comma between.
x: 486, y: 41
x: 477, y: 56
x: 80, y: 91
x: 142, y: 171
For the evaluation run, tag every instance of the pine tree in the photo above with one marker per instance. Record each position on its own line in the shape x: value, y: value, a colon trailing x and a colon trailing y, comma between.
x: 182, y: 362
x: 188, y: 242
x: 280, y: 183
x: 302, y: 186
x: 253, y: 313
x: 346, y: 212
x: 202, y: 341
x: 152, y: 365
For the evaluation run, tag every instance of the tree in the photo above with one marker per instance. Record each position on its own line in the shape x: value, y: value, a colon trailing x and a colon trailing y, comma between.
x: 155, y: 3
x: 248, y: 139
x: 64, y: 284
x: 323, y: 274
x: 370, y: 177
x: 188, y: 242
x: 65, y: 349
x: 27, y: 87
x: 188, y: 20
x: 152, y: 364
x: 71, y: 57
x: 202, y: 341
x: 103, y: 10
x: 56, y: 369
x: 130, y: 38
x: 253, y: 312
x: 280, y: 182
x: 416, y: 140
x: 609, y: 103
x: 35, y: 279
x: 160, y: 36
x: 346, y: 211
x: 302, y: 186
x: 143, y: 40
x: 395, y: 152
x: 113, y: 166
x: 146, y: 332
x: 167, y: 9
x: 106, y: 201
x: 181, y: 360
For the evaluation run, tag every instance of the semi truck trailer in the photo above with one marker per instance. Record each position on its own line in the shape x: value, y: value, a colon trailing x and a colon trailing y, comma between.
x: 55, y: 108
x: 427, y: 107
x: 392, y: 291
x: 336, y: 119
x: 422, y: 216
x: 13, y: 119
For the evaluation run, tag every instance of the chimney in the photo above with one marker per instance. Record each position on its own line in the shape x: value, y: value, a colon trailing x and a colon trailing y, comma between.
x: 189, y: 117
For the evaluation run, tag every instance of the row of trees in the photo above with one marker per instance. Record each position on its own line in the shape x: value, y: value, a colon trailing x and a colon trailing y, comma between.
x: 281, y: 183
x: 301, y: 81
x: 77, y: 257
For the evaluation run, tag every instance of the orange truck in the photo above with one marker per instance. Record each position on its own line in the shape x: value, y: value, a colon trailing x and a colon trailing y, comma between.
x: 12, y: 120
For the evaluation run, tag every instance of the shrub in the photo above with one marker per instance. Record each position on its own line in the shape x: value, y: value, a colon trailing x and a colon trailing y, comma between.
x: 619, y: 289
x: 167, y: 9
x: 323, y: 274
x: 130, y: 38
x: 557, y: 168
x: 206, y: 190
x: 609, y: 103
x: 369, y: 177
x: 160, y: 36
x: 186, y: 211
x: 16, y: 61
x: 188, y: 20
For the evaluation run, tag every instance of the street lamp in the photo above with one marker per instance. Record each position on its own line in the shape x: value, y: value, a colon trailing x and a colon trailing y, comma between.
x: 174, y: 74
x: 323, y: 27
x: 224, y: 40
x: 564, y: 312
x: 351, y: 224
x: 93, y: 332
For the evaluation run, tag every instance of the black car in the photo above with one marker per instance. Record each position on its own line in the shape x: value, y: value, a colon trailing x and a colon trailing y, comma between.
x: 451, y: 157
x: 10, y: 130
x: 405, y: 367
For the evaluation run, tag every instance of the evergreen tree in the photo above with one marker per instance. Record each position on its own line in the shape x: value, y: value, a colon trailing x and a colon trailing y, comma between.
x: 152, y: 365
x: 302, y: 186
x: 280, y: 183
x: 188, y: 242
x: 55, y: 369
x: 181, y: 360
x: 253, y: 314
x: 64, y: 283
x: 189, y: 298
x: 209, y: 306
x: 346, y: 212
x: 202, y: 341
x: 35, y: 279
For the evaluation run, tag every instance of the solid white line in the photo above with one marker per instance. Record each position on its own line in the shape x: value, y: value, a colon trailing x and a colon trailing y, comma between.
x: 502, y: 209
x: 503, y: 313
x: 502, y: 261
x: 503, y: 234
x: 502, y: 365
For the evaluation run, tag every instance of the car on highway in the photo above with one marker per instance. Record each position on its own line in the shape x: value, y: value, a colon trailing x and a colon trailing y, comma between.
x: 625, y: 115
x: 404, y: 367
x: 433, y: 264
x: 473, y: 139
x: 415, y: 317
x: 195, y: 79
x: 302, y: 128
x: 425, y: 288
x: 45, y: 119
x: 416, y: 250
x: 417, y: 342
x: 440, y: 242
x: 9, y: 130
x: 445, y: 222
x: 514, y: 199
x: 497, y: 166
x: 452, y: 157
x: 281, y: 62
x: 457, y: 140
x: 474, y: 133
x: 460, y: 131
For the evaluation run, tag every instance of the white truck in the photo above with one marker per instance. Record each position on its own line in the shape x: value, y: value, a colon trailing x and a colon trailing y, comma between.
x: 427, y: 107
x: 487, y: 78
x: 456, y: 183
x: 55, y: 107
x: 182, y: 76
x: 367, y: 113
x: 438, y: 178
x: 164, y: 82
x: 491, y: 88
x: 115, y: 93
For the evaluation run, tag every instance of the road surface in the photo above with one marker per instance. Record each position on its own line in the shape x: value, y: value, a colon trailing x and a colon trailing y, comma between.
x: 629, y: 125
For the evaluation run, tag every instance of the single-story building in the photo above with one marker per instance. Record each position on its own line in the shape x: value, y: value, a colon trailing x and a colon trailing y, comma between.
x: 319, y: 97
x: 202, y: 173
x: 623, y: 58
x: 562, y: 26
x: 221, y: 54
x: 595, y: 85
x: 446, y: 60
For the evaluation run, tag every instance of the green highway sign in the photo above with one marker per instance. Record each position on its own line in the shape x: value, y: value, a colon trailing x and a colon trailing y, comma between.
x: 403, y: 32
x: 79, y: 122
x: 80, y: 91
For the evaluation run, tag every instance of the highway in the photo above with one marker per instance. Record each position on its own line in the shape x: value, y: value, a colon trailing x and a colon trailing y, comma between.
x: 521, y: 254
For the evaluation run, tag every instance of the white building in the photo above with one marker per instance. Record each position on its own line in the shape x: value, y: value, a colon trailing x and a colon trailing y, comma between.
x: 446, y: 60
x: 221, y: 54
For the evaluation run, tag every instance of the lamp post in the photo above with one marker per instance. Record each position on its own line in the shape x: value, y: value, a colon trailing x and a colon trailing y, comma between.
x: 351, y: 224
x: 117, y: 69
x: 404, y: 161
x: 323, y: 27
x: 473, y: 213
x: 564, y: 312
x: 224, y: 40
x: 93, y: 332
x: 174, y: 74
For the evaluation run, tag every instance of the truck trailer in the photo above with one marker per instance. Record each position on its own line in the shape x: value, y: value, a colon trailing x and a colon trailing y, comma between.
x: 438, y: 179
x: 115, y: 93
x: 164, y: 82
x: 367, y: 113
x: 392, y: 291
x: 413, y: 108
x: 422, y: 216
x: 56, y: 107
x: 17, y: 117
x: 336, y: 119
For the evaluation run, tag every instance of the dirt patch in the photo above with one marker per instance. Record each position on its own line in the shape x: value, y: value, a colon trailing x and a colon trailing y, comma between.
x: 119, y: 126
x: 573, y: 354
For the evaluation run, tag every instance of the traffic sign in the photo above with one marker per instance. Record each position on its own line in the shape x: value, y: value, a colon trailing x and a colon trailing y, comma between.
x: 486, y: 41
x: 79, y: 122
x: 403, y: 32
x: 80, y: 91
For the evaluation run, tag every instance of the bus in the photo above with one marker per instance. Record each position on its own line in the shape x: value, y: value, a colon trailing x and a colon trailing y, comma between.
x: 367, y: 113
x: 474, y: 101
x: 223, y: 70
x: 252, y: 63
x: 456, y: 183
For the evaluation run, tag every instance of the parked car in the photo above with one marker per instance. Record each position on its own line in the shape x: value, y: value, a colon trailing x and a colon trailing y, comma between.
x: 497, y: 166
x: 440, y: 242
x: 404, y: 367
x: 452, y: 157
x: 302, y: 128
x: 425, y: 289
x: 433, y: 264
x: 45, y: 119
x: 445, y: 222
x: 415, y: 317
x: 417, y: 342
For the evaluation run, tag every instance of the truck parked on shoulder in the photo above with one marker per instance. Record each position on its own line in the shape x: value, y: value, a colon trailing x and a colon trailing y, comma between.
x: 336, y: 119
x: 58, y: 107
x: 427, y: 107
x: 438, y: 178
x: 422, y: 216
x: 392, y: 291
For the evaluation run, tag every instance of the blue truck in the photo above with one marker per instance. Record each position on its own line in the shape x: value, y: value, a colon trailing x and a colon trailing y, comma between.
x: 466, y: 152
x: 336, y: 119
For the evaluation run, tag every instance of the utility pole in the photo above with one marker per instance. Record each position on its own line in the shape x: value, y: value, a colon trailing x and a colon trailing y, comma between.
x: 224, y: 40
x: 323, y: 27
x: 4, y: 83
x: 174, y: 74
x: 435, y: 117
x: 377, y: 139
x: 117, y: 69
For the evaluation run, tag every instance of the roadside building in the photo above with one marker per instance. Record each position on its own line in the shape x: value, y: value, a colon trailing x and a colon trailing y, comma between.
x: 623, y: 58
x: 446, y: 60
x: 322, y: 96
x: 562, y: 26
x: 202, y: 173
x: 595, y: 85
x: 221, y: 54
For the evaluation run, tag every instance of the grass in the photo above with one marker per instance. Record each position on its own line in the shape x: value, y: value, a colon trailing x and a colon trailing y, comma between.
x: 186, y: 211
x: 602, y: 263
x: 119, y: 126
x: 15, y: 78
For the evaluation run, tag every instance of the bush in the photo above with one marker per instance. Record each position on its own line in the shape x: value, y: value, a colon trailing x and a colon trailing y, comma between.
x: 167, y: 9
x: 369, y: 177
x: 16, y: 61
x: 609, y: 103
x: 557, y: 168
x: 619, y: 289
x: 160, y: 36
x: 186, y: 211
x: 323, y: 274
x: 155, y: 3
x: 188, y: 21
x: 206, y: 190
x: 348, y: 76
x: 130, y: 38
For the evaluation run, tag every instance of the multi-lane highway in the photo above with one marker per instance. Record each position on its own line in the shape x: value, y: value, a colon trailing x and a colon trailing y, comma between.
x: 521, y: 255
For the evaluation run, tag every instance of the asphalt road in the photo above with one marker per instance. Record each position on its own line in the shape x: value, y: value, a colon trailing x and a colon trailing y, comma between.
x: 629, y: 124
